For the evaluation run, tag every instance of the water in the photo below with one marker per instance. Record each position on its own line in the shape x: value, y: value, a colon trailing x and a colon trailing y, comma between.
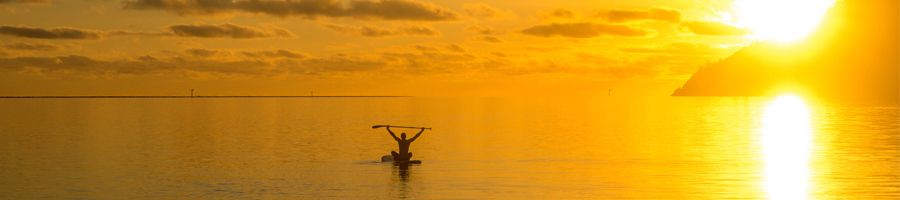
x: 481, y: 148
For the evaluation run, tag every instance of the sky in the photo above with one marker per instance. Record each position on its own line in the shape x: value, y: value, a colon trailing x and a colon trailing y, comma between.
x: 360, y: 47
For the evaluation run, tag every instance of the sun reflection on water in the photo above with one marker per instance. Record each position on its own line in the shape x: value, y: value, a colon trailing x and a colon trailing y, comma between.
x: 786, y: 147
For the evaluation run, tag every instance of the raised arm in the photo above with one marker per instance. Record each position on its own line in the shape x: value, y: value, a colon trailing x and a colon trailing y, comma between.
x: 392, y: 134
x: 417, y: 135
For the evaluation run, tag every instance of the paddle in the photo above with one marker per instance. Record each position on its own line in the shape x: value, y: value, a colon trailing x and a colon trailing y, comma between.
x: 392, y: 126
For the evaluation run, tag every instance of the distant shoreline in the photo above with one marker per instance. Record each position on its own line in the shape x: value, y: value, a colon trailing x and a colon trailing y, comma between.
x: 149, y: 97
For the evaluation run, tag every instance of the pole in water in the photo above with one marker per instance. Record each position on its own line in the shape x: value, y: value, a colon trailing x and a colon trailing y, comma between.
x: 192, y: 92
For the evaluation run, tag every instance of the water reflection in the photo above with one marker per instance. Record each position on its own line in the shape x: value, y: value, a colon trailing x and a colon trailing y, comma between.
x: 786, y: 147
x: 402, y: 169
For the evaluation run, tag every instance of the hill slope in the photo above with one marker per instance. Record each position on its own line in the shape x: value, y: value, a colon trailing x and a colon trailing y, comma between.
x: 854, y: 56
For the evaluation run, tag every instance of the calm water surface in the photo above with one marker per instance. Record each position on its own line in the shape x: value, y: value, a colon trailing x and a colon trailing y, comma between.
x: 481, y: 148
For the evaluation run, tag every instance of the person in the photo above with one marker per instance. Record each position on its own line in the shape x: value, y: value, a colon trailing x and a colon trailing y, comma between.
x: 404, y: 154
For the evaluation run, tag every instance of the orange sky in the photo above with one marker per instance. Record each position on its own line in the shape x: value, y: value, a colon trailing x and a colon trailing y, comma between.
x: 359, y: 47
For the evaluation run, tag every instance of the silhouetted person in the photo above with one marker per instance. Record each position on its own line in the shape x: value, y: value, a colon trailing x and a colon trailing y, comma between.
x: 404, y: 154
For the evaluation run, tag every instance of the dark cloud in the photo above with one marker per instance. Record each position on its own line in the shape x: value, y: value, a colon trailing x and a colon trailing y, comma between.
x: 23, y: 1
x: 226, y: 30
x: 207, y: 31
x: 202, y: 52
x: 379, y: 9
x: 281, y: 53
x: 137, y: 33
x: 676, y: 48
x: 53, y: 33
x: 584, y: 30
x: 188, y: 30
x: 712, y: 28
x: 263, y: 54
x: 372, y: 31
x: 31, y: 46
x: 659, y: 14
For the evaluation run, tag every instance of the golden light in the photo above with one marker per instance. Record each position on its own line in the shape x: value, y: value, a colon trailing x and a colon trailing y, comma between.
x: 786, y: 147
x: 780, y: 20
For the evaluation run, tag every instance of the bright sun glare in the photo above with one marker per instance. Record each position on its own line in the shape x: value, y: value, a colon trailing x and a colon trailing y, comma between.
x: 786, y: 141
x: 780, y: 20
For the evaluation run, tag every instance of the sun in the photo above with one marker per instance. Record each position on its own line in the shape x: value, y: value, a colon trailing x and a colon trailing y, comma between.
x: 780, y: 20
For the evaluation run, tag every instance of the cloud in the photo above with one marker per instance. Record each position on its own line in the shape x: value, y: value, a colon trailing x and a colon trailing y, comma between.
x: 53, y: 33
x: 659, y: 14
x: 144, y: 65
x: 584, y: 30
x: 184, y: 30
x: 363, y: 9
x: 481, y: 30
x: 202, y: 52
x: 198, y: 60
x: 280, y: 53
x: 491, y: 39
x: 23, y: 1
x: 712, y: 28
x: 481, y: 10
x: 372, y: 31
x: 562, y: 13
x: 31, y: 46
x: 456, y: 48
x: 60, y: 63
x: 341, y: 63
x: 259, y: 54
x: 419, y: 30
x: 432, y: 59
x: 137, y: 33
x: 687, y: 48
x: 368, y: 31
x: 226, y: 30
x: 416, y: 59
